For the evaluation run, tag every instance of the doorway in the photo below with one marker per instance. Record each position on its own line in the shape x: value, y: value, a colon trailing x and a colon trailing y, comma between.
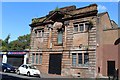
x: 111, y: 68
x: 55, y: 63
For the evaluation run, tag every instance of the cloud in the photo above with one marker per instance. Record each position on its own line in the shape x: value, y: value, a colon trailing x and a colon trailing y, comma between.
x: 102, y: 8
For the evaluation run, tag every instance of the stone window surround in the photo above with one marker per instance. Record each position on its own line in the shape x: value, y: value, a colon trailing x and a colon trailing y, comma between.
x: 39, y: 55
x: 60, y: 34
x: 61, y: 30
x: 78, y: 24
x: 40, y: 33
x: 82, y: 65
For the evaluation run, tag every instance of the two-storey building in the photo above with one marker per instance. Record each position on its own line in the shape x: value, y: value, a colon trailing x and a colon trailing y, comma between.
x: 69, y: 41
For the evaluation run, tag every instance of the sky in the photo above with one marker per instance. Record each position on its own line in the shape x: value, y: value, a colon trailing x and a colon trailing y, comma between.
x: 16, y: 16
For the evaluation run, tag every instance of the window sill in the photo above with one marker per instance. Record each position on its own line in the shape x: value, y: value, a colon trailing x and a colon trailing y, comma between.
x: 79, y: 67
x: 80, y: 32
x: 58, y: 44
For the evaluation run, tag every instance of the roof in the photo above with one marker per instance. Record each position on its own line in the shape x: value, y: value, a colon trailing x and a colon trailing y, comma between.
x: 113, y: 24
x: 68, y: 12
x: 101, y: 14
x: 65, y: 9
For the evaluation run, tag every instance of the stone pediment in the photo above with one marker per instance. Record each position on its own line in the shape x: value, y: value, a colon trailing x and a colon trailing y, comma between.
x: 67, y: 13
x: 55, y: 16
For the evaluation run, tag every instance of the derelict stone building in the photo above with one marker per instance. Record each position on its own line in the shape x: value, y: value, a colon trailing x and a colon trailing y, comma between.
x: 67, y: 40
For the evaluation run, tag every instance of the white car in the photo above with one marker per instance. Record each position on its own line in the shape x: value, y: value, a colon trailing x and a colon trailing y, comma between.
x: 28, y: 69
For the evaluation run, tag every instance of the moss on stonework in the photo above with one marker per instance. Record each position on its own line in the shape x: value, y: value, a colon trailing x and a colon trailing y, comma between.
x: 57, y: 9
x: 35, y: 20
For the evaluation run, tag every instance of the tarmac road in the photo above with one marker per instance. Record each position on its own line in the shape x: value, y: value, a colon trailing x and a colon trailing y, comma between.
x: 14, y: 76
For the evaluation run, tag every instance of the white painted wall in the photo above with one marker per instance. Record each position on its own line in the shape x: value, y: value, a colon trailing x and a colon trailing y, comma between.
x: 4, y: 60
x: 25, y: 59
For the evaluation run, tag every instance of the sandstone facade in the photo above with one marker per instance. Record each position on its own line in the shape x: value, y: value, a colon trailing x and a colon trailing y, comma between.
x: 71, y: 41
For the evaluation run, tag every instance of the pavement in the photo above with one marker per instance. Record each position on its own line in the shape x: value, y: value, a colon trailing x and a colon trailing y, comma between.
x: 14, y: 76
x: 44, y: 75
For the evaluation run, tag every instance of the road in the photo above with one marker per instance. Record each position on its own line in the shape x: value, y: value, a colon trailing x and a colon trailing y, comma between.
x: 13, y: 76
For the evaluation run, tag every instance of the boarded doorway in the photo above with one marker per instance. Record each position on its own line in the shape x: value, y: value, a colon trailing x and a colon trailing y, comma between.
x: 55, y: 63
x: 111, y: 68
